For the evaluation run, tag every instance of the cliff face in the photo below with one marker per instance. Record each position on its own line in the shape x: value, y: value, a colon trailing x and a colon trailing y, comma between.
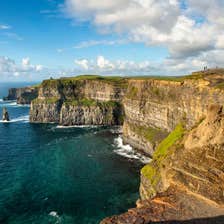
x: 167, y: 118
x: 162, y: 104
x: 93, y: 114
x: 11, y: 94
x: 152, y: 107
x: 45, y: 111
x: 22, y: 95
x: 80, y: 101
x: 185, y: 179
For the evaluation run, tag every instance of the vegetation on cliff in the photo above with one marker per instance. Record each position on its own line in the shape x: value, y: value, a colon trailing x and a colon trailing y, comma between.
x: 150, y: 171
x: 50, y: 100
x: 115, y: 80
x: 153, y: 135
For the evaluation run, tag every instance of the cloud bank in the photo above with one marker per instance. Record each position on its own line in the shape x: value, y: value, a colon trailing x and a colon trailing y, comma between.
x: 10, y: 70
x: 192, y: 31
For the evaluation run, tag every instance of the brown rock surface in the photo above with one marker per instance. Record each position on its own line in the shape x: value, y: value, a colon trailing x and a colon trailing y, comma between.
x: 173, y: 206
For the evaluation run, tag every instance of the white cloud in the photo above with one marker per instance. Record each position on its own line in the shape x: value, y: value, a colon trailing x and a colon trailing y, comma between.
x: 83, y: 63
x: 9, y: 68
x: 169, y: 66
x: 104, y: 66
x: 103, y: 63
x: 186, y: 32
x: 39, y: 68
x: 26, y: 62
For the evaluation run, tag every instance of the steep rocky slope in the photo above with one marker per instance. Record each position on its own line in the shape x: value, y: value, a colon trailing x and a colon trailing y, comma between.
x: 185, y: 179
x: 167, y: 118
x: 22, y: 95
x: 161, y: 104
x: 152, y: 106
x: 85, y: 100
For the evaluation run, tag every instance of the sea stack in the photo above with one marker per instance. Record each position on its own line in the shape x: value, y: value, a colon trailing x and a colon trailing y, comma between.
x: 5, y: 115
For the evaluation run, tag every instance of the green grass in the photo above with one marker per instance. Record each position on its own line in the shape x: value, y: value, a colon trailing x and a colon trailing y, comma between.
x: 50, y: 100
x: 36, y: 85
x: 51, y: 83
x: 91, y: 102
x: 122, y: 81
x: 151, y: 171
x: 81, y: 102
x: 133, y: 92
x: 152, y: 135
x: 107, y: 79
x: 220, y: 85
x: 163, y: 148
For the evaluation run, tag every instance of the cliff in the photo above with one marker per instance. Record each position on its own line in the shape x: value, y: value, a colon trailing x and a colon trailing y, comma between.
x: 185, y: 179
x: 152, y: 106
x: 22, y: 95
x: 84, y: 100
x: 167, y: 118
x: 161, y: 103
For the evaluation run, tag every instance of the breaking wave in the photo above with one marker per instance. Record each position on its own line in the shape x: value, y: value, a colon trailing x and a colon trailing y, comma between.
x: 128, y: 152
x: 23, y: 119
x: 12, y: 103
x: 77, y: 126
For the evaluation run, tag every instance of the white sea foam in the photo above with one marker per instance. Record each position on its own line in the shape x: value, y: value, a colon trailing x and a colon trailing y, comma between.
x: 54, y: 214
x: 23, y: 119
x: 77, y: 126
x: 128, y: 151
x: 9, y: 103
x: 12, y: 103
x: 116, y: 130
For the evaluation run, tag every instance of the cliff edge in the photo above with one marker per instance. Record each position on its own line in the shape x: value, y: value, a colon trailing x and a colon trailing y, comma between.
x: 22, y: 95
x: 83, y: 100
x: 185, y: 179
x: 179, y: 121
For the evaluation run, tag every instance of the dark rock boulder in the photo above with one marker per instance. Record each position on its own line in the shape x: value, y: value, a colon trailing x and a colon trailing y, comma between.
x: 5, y: 115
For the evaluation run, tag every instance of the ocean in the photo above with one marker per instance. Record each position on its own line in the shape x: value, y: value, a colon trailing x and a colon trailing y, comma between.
x: 51, y: 174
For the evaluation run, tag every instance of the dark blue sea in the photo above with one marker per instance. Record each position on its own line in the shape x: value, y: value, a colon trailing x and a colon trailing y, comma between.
x: 50, y: 174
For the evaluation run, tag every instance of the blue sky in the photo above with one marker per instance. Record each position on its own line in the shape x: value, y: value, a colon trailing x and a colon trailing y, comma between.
x: 125, y: 37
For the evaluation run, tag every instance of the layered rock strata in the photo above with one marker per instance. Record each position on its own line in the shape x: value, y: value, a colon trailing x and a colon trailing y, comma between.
x: 185, y: 179
x: 22, y: 95
x: 80, y: 101
x: 167, y: 118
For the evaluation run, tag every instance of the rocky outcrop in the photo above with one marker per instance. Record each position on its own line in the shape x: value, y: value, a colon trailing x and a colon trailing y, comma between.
x: 5, y: 114
x: 143, y: 138
x: 22, y: 95
x: 86, y: 100
x: 175, y: 206
x: 185, y: 179
x: 162, y: 104
x: 45, y: 111
x: 152, y: 106
x: 96, y: 113
x: 11, y: 94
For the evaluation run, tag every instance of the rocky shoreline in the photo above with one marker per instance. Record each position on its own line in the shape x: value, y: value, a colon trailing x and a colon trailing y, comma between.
x: 22, y: 95
x: 177, y: 121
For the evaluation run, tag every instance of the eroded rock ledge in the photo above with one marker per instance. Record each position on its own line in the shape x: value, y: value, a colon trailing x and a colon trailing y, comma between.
x: 185, y: 179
